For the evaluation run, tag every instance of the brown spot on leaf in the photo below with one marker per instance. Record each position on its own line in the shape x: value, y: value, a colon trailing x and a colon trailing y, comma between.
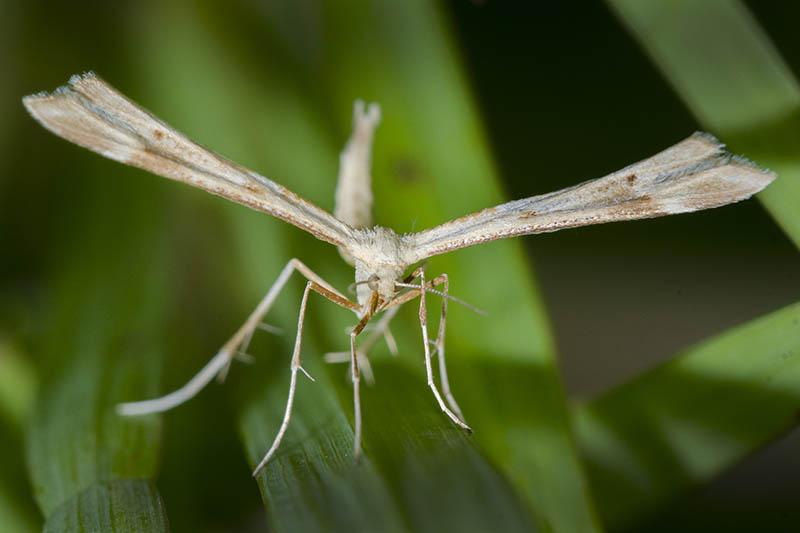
x: 406, y: 169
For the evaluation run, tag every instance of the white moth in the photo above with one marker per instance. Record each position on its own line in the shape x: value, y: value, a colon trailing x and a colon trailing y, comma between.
x: 695, y: 174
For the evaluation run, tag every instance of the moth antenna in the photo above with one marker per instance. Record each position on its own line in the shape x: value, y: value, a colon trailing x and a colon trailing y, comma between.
x: 443, y: 295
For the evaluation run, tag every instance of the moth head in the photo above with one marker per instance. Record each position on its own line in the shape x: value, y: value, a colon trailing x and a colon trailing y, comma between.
x: 380, y: 278
x: 380, y: 259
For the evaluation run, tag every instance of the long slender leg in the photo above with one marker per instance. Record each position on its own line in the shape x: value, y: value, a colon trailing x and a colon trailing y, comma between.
x: 223, y: 358
x: 356, y: 396
x: 423, y: 321
x: 442, y: 279
x: 296, y: 365
x: 370, y: 311
x: 451, y: 401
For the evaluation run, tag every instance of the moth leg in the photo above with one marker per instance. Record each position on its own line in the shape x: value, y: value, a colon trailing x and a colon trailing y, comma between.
x: 444, y: 280
x: 371, y: 309
x: 423, y: 321
x: 296, y: 363
x: 354, y: 373
x: 451, y: 401
x: 381, y: 329
x: 222, y: 359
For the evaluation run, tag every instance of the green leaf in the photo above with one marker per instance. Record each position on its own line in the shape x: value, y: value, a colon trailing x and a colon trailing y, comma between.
x: 17, y: 385
x: 431, y: 164
x: 686, y: 421
x: 18, y: 511
x: 431, y: 149
x: 738, y: 87
x: 125, y: 505
x: 696, y: 416
x: 101, y: 345
x: 420, y: 473
x: 271, y: 84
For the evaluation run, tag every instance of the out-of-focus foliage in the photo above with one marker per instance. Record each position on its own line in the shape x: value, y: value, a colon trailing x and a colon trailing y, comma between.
x: 739, y: 87
x: 118, y: 285
x: 644, y: 443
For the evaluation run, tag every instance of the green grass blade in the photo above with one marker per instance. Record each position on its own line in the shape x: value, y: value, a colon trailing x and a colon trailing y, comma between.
x: 18, y: 511
x: 734, y: 81
x: 431, y: 148
x: 17, y: 385
x: 291, y: 108
x: 422, y: 474
x: 100, y: 346
x: 686, y: 421
x: 312, y: 485
x: 16, y: 517
x: 434, y: 153
x: 689, y: 420
x: 122, y: 506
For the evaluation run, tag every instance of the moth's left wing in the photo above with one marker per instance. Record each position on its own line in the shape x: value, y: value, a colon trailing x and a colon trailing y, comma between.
x: 695, y: 174
x: 90, y: 112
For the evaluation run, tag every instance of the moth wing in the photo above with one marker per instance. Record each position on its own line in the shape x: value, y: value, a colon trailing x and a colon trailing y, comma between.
x: 695, y: 174
x: 91, y: 113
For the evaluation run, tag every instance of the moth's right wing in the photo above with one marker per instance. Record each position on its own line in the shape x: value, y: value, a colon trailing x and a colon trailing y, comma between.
x: 91, y: 113
x: 695, y: 174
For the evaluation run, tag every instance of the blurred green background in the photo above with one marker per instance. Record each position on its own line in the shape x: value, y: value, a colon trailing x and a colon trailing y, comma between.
x: 116, y: 285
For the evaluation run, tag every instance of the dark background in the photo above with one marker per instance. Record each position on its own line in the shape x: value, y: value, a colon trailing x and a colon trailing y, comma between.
x: 566, y: 95
x: 555, y: 81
